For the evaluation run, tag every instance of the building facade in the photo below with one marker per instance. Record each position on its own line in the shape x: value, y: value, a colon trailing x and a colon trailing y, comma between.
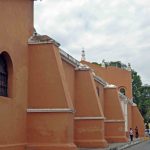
x: 51, y: 101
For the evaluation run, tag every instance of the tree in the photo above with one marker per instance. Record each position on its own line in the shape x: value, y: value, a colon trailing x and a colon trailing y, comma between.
x: 136, y: 87
x: 96, y: 63
x: 144, y: 104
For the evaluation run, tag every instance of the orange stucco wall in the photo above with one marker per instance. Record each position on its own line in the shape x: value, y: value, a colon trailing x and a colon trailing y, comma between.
x: 112, y: 106
x: 47, y: 72
x: 114, y: 123
x: 40, y: 80
x: 70, y: 78
x: 50, y: 131
x: 129, y: 117
x: 114, y: 75
x: 137, y: 121
x: 89, y: 132
x: 14, y: 31
x: 101, y: 93
x: 48, y: 89
x: 120, y: 78
x: 86, y: 95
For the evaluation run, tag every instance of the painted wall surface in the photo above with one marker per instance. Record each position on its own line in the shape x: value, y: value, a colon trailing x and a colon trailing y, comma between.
x: 14, y: 31
x: 39, y: 79
x: 70, y: 78
x: 50, y: 131
x: 90, y: 133
x: 114, y: 75
x: 48, y: 90
x: 114, y: 123
x: 89, y: 118
x: 85, y: 97
x: 138, y: 121
x: 114, y: 132
x: 120, y: 78
x: 47, y: 74
x: 101, y: 93
x: 129, y: 117
x: 112, y: 105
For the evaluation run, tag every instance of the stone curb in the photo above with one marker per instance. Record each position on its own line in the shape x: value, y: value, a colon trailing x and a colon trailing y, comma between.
x: 126, y: 145
x: 119, y: 147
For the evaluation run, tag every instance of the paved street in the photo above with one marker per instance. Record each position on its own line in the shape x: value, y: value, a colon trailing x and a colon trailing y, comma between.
x: 141, y: 146
x: 137, y: 144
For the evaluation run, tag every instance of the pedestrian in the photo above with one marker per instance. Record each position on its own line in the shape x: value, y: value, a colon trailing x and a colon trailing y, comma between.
x: 136, y: 132
x: 131, y: 134
x: 147, y: 126
x: 147, y: 129
x: 149, y: 133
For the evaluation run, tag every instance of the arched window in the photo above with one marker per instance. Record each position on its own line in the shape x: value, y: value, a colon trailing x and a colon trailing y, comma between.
x: 123, y: 91
x: 3, y: 77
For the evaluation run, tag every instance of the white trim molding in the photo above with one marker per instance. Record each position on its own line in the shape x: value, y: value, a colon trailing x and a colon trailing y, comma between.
x: 110, y: 86
x: 41, y: 39
x: 89, y: 118
x: 50, y: 110
x: 68, y: 58
x: 114, y: 121
x: 100, y: 80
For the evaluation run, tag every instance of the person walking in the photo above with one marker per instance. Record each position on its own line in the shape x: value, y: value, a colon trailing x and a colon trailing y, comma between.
x: 147, y: 129
x: 131, y: 134
x: 136, y: 132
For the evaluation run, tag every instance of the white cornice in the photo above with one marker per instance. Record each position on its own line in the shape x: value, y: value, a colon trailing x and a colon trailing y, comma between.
x: 49, y: 110
x: 100, y: 80
x: 110, y: 86
x: 114, y: 121
x: 68, y: 58
x: 83, y: 67
x: 89, y: 118
x: 41, y: 39
x: 134, y: 104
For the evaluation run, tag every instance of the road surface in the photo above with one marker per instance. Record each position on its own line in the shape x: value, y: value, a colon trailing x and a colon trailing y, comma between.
x: 141, y: 146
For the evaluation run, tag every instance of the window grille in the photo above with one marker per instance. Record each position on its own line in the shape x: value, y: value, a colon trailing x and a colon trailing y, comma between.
x: 3, y: 77
x: 123, y: 91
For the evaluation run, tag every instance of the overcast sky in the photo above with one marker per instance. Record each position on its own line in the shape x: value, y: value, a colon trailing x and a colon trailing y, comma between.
x: 114, y: 30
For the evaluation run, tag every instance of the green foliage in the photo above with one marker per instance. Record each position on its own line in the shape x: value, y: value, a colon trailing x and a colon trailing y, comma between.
x: 111, y: 63
x: 96, y: 63
x: 136, y: 87
x: 144, y: 103
x: 118, y: 64
x: 141, y: 95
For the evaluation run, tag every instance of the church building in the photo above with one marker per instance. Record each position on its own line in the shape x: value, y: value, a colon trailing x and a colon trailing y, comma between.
x: 51, y: 101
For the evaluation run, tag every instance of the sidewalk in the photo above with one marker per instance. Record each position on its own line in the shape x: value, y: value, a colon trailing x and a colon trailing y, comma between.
x: 118, y: 146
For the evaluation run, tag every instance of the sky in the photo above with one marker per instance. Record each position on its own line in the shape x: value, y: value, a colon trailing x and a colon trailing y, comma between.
x: 113, y: 30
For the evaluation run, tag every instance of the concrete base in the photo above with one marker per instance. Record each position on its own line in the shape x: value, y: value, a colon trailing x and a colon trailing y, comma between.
x: 52, y: 147
x: 91, y: 143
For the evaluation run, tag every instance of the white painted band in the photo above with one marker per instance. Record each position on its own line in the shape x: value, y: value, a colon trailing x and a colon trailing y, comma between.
x: 55, y: 110
x: 89, y: 118
x: 113, y: 121
x: 100, y: 80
